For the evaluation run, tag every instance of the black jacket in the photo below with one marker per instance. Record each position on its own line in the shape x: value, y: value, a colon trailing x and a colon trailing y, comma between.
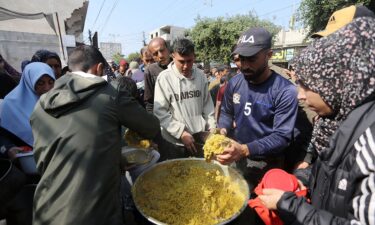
x: 151, y: 73
x: 342, y: 183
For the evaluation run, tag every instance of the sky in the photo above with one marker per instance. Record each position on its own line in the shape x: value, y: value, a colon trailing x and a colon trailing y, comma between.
x: 124, y: 21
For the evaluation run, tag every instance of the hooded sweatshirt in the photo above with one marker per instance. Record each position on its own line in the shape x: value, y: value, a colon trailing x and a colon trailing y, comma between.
x: 76, y: 128
x: 183, y: 103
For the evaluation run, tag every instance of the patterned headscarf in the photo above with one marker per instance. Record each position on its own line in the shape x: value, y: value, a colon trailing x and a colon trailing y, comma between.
x: 341, y: 69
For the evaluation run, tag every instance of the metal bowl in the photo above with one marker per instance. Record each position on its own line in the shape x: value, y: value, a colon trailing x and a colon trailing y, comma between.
x: 160, y: 171
x: 135, y: 156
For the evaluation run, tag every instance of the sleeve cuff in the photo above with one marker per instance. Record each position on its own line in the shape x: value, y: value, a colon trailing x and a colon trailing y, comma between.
x: 283, y: 207
x: 179, y: 131
x: 309, y: 158
x: 253, y: 149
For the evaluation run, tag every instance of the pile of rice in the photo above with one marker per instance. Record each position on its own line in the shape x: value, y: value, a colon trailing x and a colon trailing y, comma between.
x: 183, y: 194
x: 215, y: 145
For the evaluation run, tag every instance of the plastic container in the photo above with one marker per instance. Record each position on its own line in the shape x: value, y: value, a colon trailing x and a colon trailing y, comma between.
x: 27, y: 163
x: 279, y: 179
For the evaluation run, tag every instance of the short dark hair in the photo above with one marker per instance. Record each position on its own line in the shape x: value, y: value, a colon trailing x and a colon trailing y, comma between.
x: 127, y: 85
x: 65, y: 70
x: 221, y: 68
x: 183, y: 46
x: 223, y: 79
x: 84, y: 57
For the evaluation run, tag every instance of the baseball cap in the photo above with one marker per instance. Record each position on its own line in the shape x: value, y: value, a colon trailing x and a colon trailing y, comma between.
x: 342, y: 17
x: 252, y: 41
x: 123, y: 62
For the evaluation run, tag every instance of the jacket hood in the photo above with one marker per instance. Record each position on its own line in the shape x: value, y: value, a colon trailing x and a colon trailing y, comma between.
x: 69, y: 91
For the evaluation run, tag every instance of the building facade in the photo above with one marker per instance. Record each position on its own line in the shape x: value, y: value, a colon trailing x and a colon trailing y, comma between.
x: 168, y: 33
x: 287, y: 45
x: 108, y: 49
x: 28, y: 26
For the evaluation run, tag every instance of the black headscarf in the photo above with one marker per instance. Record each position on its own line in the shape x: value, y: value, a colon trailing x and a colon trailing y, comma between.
x: 44, y: 55
x: 341, y: 69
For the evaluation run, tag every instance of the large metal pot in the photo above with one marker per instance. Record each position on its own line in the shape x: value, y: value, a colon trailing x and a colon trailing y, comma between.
x: 161, y: 170
x: 11, y: 181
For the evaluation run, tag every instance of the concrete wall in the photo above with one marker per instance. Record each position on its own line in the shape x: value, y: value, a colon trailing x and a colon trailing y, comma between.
x: 291, y: 37
x: 20, y: 38
x: 108, y: 49
x: 18, y: 46
x: 177, y: 32
x: 173, y: 33
x: 63, y: 8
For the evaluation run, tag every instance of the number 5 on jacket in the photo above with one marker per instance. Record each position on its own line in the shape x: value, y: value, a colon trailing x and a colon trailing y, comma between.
x: 247, y: 110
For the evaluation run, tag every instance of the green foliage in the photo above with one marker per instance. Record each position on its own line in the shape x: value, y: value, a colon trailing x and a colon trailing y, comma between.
x: 214, y: 38
x: 314, y: 14
x: 117, y: 57
x: 133, y: 56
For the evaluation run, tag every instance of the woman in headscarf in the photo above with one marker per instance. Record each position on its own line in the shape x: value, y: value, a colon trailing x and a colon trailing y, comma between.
x: 337, y: 80
x: 37, y: 79
x: 51, y: 58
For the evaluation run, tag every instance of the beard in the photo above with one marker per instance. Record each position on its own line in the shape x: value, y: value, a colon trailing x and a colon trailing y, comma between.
x: 253, y: 75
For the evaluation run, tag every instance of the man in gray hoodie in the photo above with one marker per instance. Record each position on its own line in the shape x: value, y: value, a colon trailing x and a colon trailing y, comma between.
x: 182, y: 101
x: 76, y: 129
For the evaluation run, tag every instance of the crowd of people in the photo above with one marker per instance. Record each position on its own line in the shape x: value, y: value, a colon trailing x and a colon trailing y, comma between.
x: 72, y: 120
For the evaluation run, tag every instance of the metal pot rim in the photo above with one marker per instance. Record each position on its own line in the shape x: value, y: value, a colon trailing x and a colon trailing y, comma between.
x: 233, y: 170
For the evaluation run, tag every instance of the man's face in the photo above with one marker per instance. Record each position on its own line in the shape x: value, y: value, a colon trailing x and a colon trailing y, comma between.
x: 122, y: 69
x: 213, y: 72
x: 147, y: 58
x: 237, y: 60
x: 217, y: 74
x: 184, y: 64
x: 159, y: 52
x: 254, y: 66
x: 55, y: 65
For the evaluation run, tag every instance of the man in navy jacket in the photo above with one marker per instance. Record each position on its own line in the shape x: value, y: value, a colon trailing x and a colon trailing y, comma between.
x: 259, y: 109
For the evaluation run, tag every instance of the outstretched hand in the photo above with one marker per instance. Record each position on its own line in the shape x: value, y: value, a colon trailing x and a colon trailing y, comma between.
x: 270, y: 198
x: 232, y: 153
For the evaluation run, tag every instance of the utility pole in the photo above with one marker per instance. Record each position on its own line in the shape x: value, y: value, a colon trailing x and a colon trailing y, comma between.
x: 61, y: 42
x: 90, y: 37
x: 144, y: 39
x: 95, y: 40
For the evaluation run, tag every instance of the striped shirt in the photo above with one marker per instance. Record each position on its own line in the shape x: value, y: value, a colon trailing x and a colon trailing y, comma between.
x: 364, y: 203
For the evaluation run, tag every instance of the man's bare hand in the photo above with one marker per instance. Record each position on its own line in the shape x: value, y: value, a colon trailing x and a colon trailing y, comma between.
x: 13, y: 151
x: 223, y: 131
x: 188, y: 140
x: 270, y: 197
x: 302, y: 165
x: 233, y: 153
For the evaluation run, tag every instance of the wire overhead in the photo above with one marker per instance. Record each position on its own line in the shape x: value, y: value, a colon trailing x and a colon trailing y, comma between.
x: 97, y: 16
x: 109, y: 15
